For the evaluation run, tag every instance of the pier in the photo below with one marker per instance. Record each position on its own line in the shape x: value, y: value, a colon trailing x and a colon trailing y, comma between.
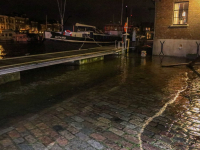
x: 11, y: 67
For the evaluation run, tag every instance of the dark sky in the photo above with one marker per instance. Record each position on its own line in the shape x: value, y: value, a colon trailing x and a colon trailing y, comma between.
x: 93, y: 12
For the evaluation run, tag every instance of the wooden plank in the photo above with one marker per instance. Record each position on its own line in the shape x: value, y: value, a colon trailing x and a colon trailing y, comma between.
x: 45, y: 63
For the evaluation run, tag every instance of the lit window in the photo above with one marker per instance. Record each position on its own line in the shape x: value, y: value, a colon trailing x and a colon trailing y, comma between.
x: 181, y: 13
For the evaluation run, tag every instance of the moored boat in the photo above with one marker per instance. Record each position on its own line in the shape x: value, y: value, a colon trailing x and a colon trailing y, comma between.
x: 86, y: 37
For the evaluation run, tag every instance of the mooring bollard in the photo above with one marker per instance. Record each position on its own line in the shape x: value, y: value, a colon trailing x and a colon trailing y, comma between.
x: 143, y: 53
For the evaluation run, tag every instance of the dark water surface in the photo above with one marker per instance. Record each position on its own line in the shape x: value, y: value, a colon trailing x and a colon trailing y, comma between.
x: 14, y: 49
x: 17, y: 49
x: 43, y: 87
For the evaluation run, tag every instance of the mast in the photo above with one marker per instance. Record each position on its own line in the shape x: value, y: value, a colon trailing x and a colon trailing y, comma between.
x: 46, y: 22
x: 122, y: 11
x: 61, y: 9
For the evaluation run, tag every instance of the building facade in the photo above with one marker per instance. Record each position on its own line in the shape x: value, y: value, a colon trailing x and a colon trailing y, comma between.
x: 6, y: 23
x: 50, y: 27
x: 177, y: 25
x: 19, y: 24
x: 33, y: 27
x: 22, y: 24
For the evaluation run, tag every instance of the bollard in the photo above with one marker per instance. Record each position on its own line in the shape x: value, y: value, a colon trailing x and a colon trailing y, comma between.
x: 143, y: 53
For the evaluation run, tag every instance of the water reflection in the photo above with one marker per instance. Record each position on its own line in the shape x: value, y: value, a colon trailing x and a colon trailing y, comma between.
x: 2, y: 52
x: 185, y: 116
x: 124, y: 64
x: 9, y: 49
x: 143, y: 61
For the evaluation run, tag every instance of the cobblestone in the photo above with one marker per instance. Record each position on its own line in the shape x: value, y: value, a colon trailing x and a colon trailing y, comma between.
x: 18, y: 140
x: 82, y: 136
x: 97, y: 137
x: 67, y: 135
x: 95, y: 144
x: 116, y: 131
x: 25, y: 147
x: 110, y: 116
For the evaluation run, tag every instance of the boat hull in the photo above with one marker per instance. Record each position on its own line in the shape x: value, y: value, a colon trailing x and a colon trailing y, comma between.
x: 57, y: 42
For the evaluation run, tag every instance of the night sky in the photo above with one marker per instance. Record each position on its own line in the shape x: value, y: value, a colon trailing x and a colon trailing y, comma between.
x: 93, y: 12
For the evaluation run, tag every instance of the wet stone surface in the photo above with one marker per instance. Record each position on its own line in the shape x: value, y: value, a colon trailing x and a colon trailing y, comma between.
x: 121, y: 112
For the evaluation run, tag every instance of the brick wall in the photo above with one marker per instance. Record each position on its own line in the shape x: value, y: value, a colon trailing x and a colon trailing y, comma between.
x: 164, y: 19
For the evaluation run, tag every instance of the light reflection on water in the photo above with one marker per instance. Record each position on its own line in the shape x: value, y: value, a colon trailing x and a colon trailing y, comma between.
x: 185, y: 122
x: 2, y: 52
x: 10, y: 49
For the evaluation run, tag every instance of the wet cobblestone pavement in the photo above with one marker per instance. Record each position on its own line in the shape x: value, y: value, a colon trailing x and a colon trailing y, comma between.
x: 130, y: 111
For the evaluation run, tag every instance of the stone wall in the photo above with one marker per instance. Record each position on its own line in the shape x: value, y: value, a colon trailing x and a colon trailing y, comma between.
x: 9, y: 77
x: 176, y: 35
x: 89, y: 60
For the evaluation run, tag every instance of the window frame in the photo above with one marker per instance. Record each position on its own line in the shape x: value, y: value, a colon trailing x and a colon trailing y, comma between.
x: 182, y: 10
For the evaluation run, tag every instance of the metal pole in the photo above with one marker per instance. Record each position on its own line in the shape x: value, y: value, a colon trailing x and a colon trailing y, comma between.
x: 46, y: 22
x: 126, y: 34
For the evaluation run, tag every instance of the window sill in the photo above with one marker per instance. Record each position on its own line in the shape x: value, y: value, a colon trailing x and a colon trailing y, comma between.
x: 179, y: 26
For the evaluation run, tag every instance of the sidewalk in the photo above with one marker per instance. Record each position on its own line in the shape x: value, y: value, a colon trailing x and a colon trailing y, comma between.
x: 112, y: 117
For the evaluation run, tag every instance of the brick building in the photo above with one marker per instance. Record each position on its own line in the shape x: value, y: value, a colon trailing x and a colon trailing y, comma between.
x: 177, y: 23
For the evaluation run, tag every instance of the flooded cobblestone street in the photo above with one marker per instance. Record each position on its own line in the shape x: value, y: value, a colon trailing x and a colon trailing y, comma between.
x: 123, y: 102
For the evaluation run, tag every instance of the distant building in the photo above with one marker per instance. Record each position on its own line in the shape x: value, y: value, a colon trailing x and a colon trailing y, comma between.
x: 6, y: 23
x: 19, y: 24
x: 50, y: 27
x: 22, y: 23
x: 177, y: 23
x: 24, y: 26
x: 56, y: 27
x: 147, y: 29
x: 33, y: 27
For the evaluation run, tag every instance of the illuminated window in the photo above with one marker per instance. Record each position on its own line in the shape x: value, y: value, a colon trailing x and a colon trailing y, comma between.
x: 181, y: 13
